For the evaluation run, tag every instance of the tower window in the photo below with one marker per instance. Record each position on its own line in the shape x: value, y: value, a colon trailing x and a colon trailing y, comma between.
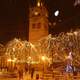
x: 38, y: 25
x: 33, y: 26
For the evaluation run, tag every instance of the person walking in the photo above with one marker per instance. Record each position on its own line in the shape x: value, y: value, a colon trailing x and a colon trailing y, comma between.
x: 32, y: 73
x: 37, y: 76
x: 20, y: 74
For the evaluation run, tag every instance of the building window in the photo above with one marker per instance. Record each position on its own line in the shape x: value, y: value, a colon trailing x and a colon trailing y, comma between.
x: 33, y: 26
x: 38, y: 25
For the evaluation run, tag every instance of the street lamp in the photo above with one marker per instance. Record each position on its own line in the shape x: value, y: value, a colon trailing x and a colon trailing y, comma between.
x: 43, y: 58
x: 12, y: 62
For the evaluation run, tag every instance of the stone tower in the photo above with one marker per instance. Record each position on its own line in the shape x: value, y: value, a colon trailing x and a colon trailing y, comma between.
x: 38, y: 22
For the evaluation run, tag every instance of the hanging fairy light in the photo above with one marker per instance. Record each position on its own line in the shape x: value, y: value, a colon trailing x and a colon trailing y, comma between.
x: 61, y: 44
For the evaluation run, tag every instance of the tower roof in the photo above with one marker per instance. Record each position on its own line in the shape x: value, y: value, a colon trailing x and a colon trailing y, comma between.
x: 38, y: 11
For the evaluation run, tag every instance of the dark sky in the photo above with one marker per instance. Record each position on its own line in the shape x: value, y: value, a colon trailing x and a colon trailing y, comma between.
x: 69, y: 15
x: 14, y: 17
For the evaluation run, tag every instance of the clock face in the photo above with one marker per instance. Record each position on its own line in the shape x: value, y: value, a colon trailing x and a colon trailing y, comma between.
x: 36, y: 14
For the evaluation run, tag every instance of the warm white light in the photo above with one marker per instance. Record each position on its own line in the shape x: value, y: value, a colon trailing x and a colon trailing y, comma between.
x: 54, y: 23
x: 36, y: 13
x: 38, y: 4
x: 43, y: 58
x: 70, y: 34
x: 9, y: 60
x: 13, y: 49
x: 33, y: 47
x: 29, y: 57
x: 56, y: 13
x: 15, y: 59
x: 75, y: 33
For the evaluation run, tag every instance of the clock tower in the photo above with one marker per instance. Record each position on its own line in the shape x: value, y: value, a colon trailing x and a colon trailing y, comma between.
x: 38, y: 22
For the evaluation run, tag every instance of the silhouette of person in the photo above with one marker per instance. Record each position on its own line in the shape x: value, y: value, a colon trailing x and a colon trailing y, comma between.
x: 20, y: 74
x: 37, y: 76
x: 32, y: 72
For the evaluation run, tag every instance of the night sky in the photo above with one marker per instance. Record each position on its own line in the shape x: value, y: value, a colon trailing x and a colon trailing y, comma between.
x: 69, y: 17
x: 14, y: 17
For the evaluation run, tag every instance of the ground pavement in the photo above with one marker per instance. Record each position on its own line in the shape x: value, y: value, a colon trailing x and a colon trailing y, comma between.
x: 26, y: 76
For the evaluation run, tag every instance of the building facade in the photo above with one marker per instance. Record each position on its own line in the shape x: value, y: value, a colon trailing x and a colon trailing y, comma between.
x: 38, y: 22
